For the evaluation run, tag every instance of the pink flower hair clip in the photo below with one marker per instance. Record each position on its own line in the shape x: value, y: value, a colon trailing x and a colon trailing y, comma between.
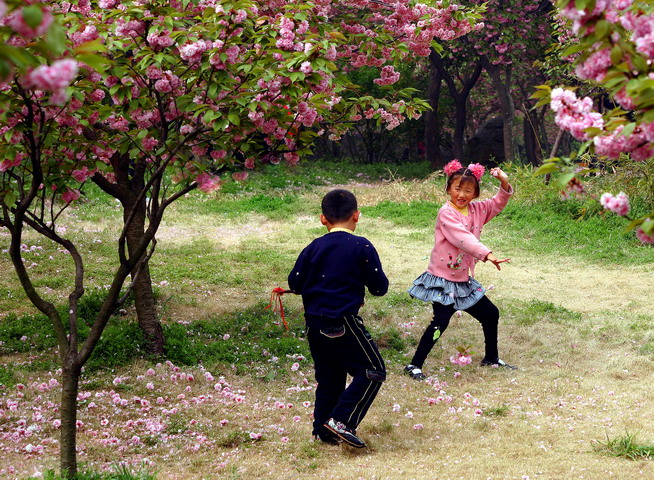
x: 477, y: 170
x: 454, y: 166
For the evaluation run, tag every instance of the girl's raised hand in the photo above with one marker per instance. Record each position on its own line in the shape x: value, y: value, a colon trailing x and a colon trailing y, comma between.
x: 498, y: 173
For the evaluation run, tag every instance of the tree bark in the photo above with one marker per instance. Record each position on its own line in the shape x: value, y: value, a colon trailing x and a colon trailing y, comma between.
x: 68, y: 442
x: 460, y: 97
x: 432, y: 136
x: 146, y: 310
x: 128, y: 186
x: 503, y: 89
x: 533, y: 149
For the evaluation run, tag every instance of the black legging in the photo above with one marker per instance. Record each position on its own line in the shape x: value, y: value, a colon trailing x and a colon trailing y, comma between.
x: 484, y: 311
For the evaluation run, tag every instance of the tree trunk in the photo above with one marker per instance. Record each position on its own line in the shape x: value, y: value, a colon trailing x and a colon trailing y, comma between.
x: 144, y: 300
x: 532, y: 146
x: 460, y: 117
x: 460, y: 97
x: 503, y: 89
x: 68, y: 442
x: 432, y: 122
x: 129, y: 183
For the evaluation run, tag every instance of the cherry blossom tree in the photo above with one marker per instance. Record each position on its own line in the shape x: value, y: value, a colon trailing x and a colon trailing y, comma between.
x: 515, y: 34
x: 150, y: 100
x: 615, y: 50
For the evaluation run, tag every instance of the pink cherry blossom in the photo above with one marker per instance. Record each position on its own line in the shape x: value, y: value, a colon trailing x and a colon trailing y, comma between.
x: 644, y: 237
x: 70, y: 195
x: 208, y: 182
x: 618, y: 204
x: 17, y: 22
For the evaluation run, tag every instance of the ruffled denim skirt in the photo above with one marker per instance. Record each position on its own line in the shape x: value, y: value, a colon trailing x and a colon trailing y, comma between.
x: 463, y: 295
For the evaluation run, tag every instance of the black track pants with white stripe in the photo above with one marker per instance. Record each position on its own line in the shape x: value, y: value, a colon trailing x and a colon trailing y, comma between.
x: 337, y: 353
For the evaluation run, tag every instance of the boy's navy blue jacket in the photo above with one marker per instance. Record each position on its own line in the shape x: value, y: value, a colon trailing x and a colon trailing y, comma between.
x: 331, y: 274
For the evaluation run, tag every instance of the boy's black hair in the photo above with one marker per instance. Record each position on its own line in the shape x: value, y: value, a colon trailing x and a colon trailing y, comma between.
x: 466, y: 177
x: 339, y: 205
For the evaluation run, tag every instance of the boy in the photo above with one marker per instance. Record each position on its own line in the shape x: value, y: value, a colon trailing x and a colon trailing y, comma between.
x: 331, y: 275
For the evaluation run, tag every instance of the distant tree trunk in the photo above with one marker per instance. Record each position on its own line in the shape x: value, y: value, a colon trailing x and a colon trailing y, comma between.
x: 503, y: 89
x: 460, y: 97
x: 533, y: 148
x: 432, y: 121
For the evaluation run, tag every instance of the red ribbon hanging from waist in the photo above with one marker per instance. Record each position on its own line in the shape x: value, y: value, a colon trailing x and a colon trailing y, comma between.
x: 276, y: 303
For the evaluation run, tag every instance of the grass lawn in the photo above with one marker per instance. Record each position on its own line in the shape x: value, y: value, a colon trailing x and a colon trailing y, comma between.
x: 235, y: 396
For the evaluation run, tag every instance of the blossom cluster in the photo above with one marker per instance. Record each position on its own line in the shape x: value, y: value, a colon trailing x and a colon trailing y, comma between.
x: 461, y: 358
x: 618, y: 204
x: 53, y: 78
x: 626, y: 25
x: 573, y: 114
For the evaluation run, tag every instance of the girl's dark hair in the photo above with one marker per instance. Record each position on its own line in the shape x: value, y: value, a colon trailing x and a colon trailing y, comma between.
x: 339, y: 205
x: 466, y: 177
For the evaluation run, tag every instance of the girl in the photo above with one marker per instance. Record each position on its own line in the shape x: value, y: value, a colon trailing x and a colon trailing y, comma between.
x: 448, y: 282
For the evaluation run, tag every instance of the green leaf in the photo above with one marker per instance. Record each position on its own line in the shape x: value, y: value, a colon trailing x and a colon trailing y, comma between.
x: 546, y: 168
x: 56, y: 39
x: 616, y: 55
x: 633, y: 224
x: 438, y: 48
x: 94, y: 46
x: 33, y: 15
x: 563, y: 180
x: 234, y: 118
x: 9, y: 199
x: 601, y: 29
x: 97, y: 62
x: 437, y: 334
x: 209, y: 116
x: 628, y: 130
x: 571, y: 50
x: 5, y: 69
x: 648, y: 226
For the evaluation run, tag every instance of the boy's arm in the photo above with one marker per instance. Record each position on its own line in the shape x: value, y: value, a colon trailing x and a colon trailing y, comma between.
x: 376, y: 280
x: 297, y: 276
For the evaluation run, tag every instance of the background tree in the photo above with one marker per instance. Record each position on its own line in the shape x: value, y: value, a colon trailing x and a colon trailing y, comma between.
x: 615, y: 50
x: 515, y: 34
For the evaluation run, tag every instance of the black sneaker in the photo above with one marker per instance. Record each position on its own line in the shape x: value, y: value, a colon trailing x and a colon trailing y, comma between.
x: 414, y: 372
x: 327, y: 438
x: 345, y: 433
x: 497, y: 364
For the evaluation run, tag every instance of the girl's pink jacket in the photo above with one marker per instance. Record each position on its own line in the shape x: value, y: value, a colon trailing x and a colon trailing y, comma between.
x: 456, y: 246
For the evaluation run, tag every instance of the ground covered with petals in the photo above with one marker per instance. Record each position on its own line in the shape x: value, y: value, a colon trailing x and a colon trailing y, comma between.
x: 235, y: 399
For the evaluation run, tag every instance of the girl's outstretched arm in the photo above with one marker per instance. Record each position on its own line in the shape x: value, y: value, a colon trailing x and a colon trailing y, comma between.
x: 496, y: 261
